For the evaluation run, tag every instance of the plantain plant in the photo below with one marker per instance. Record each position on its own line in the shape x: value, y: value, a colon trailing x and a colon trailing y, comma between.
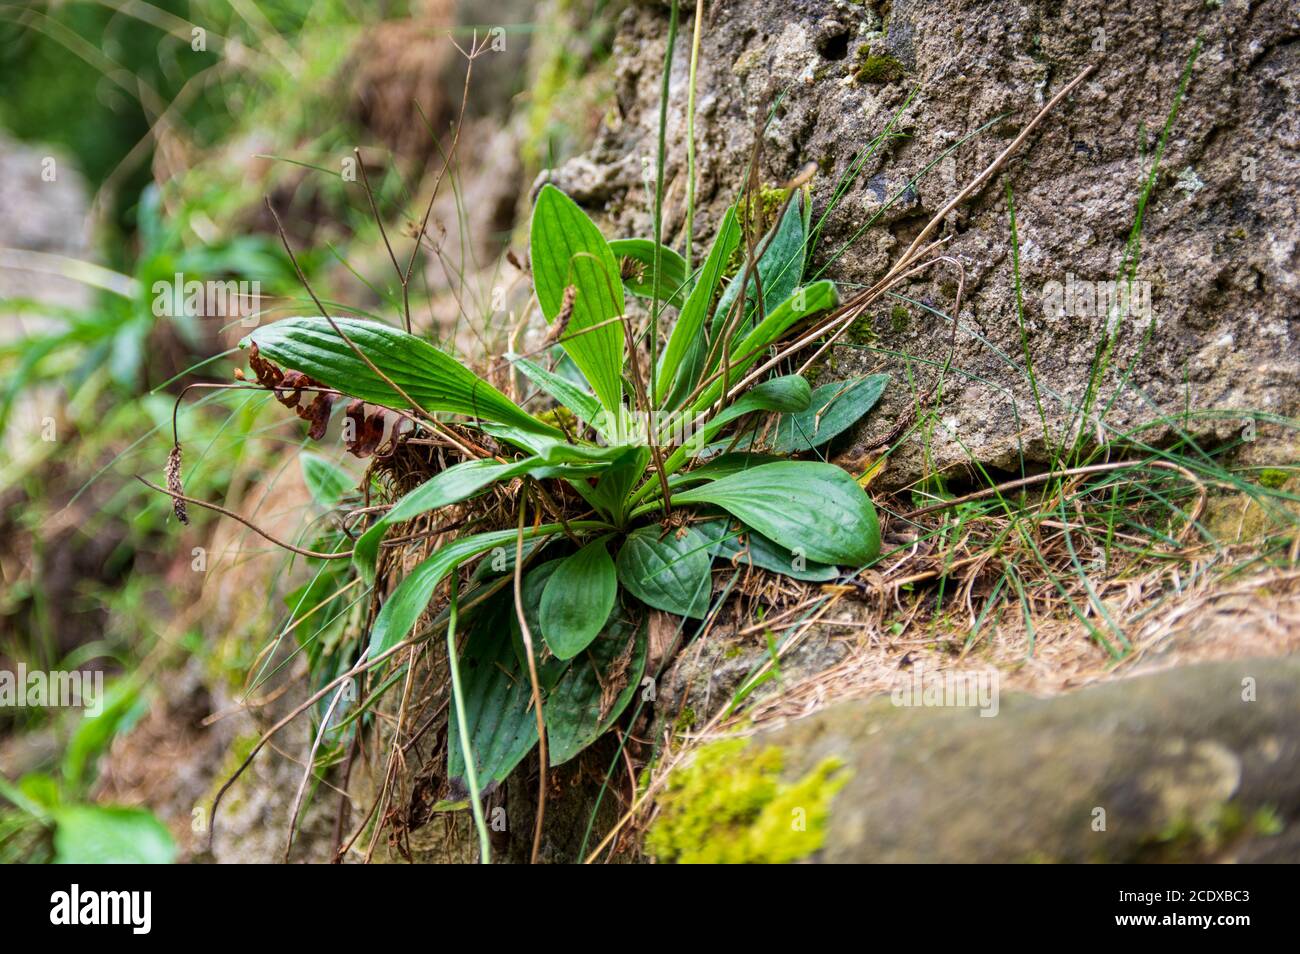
x: 671, y: 467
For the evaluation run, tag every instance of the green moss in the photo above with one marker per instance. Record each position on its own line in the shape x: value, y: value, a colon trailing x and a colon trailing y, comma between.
x: 685, y: 720
x: 757, y: 213
x: 1193, y: 839
x: 875, y: 68
x: 1273, y: 478
x: 731, y: 806
x: 760, y: 211
x: 561, y: 417
x: 899, y: 318
x: 748, y: 61
x: 861, y: 331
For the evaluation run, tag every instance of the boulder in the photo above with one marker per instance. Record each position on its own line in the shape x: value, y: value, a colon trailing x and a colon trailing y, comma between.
x: 1213, y: 309
x: 1195, y: 763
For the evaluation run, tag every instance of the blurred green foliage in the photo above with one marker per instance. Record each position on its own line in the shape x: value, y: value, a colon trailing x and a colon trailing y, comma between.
x: 73, y: 73
x: 87, y: 550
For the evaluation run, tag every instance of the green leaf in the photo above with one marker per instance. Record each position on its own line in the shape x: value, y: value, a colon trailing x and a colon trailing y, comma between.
x: 667, y: 571
x: 584, y: 406
x: 672, y: 270
x: 687, y: 332
x: 813, y: 509
x: 326, y: 480
x: 435, y: 380
x: 549, y: 669
x: 95, y: 835
x: 405, y: 604
x: 788, y: 393
x: 503, y: 564
x: 610, y: 495
x: 740, y: 545
x: 35, y: 794
x: 501, y: 725
x: 834, y: 408
x: 578, y: 599
x: 470, y: 478
x: 780, y: 267
x: 806, y: 301
x: 119, y: 708
x: 573, y: 713
x: 721, y: 466
x: 568, y: 249
x: 305, y: 603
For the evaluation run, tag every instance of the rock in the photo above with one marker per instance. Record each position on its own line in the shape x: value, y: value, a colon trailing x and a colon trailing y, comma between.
x: 1219, y: 238
x: 1177, y: 765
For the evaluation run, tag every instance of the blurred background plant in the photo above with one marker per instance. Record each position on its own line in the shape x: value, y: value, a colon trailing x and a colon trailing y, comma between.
x: 142, y: 143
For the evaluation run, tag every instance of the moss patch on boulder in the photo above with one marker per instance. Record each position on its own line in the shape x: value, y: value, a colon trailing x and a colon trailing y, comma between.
x: 730, y: 805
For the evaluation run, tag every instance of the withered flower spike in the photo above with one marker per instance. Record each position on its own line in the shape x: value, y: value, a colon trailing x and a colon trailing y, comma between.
x: 631, y: 270
x: 173, y: 474
x: 561, y: 323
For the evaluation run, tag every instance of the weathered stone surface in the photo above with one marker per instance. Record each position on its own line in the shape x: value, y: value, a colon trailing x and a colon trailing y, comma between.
x: 1183, y: 767
x: 1219, y: 242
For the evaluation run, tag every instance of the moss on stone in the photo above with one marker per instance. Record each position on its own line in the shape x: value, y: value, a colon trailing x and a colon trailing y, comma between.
x: 1190, y: 839
x: 731, y: 806
x: 685, y: 720
x: 878, y: 68
x: 1273, y: 478
x: 760, y: 211
x: 748, y: 61
x: 861, y: 331
x: 899, y: 318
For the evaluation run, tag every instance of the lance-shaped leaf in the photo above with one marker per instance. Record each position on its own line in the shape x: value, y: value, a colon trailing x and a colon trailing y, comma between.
x: 573, y: 712
x: 788, y: 393
x: 434, y: 380
x: 404, y: 605
x: 815, y: 510
x: 564, y: 391
x: 549, y: 669
x: 568, y: 250
x: 675, y: 370
x: 578, y: 599
x: 667, y: 571
x: 780, y: 267
x: 472, y: 477
x: 806, y: 301
x: 500, y: 724
x: 610, y: 495
x: 833, y: 409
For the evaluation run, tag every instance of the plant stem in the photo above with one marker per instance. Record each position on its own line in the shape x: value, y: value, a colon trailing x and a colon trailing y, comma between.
x: 659, y: 205
x: 690, y: 133
x: 462, y: 725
